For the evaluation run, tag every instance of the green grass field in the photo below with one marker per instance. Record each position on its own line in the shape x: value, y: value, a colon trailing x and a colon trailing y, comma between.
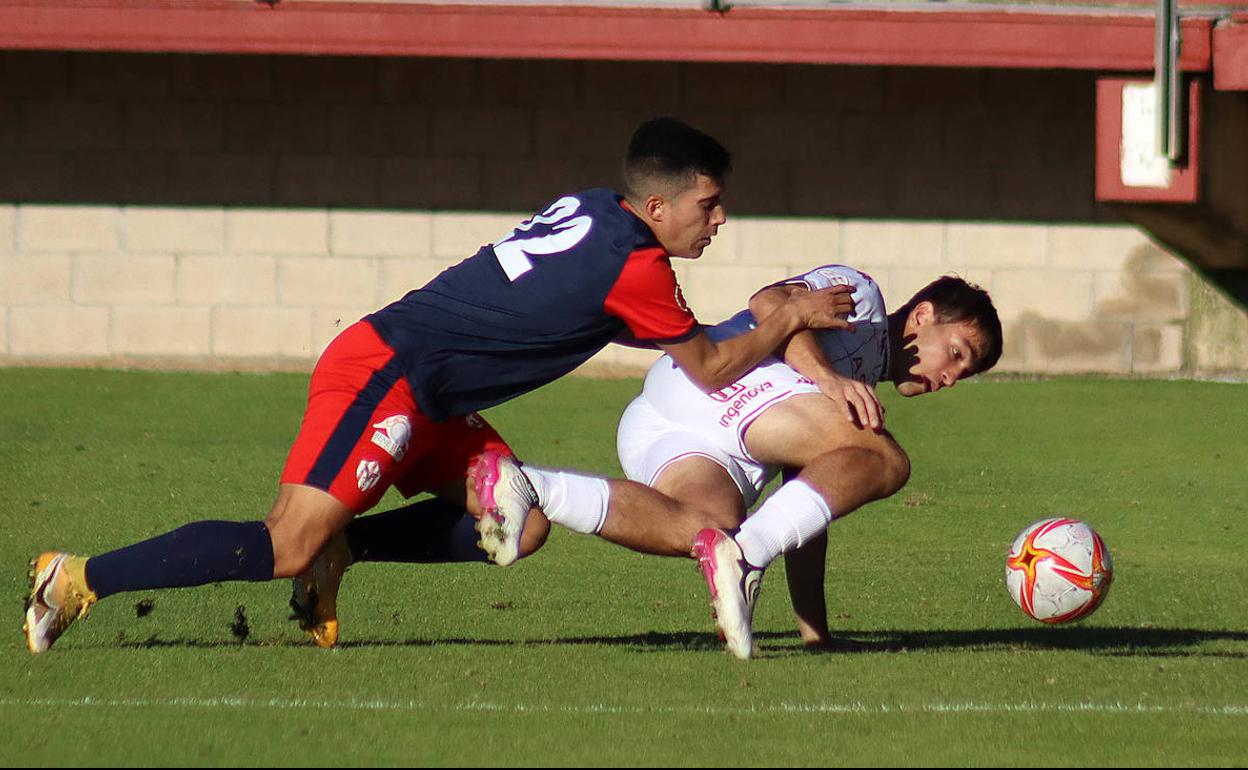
x: 588, y: 654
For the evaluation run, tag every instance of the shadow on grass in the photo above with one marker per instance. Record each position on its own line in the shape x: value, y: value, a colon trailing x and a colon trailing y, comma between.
x: 1110, y: 641
x: 647, y: 642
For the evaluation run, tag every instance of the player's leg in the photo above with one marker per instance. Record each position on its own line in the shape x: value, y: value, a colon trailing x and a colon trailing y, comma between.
x: 362, y: 433
x: 64, y: 587
x: 688, y: 495
x: 843, y: 468
x: 302, y: 521
x: 434, y: 530
x: 624, y: 512
x: 449, y: 474
x: 327, y: 477
x: 678, y: 483
x: 431, y: 530
x: 804, y: 570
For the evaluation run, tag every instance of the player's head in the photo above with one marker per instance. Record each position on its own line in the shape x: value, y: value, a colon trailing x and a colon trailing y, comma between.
x: 673, y: 178
x: 949, y: 331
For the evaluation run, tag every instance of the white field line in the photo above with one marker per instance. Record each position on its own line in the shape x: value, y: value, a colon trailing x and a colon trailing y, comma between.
x: 294, y: 704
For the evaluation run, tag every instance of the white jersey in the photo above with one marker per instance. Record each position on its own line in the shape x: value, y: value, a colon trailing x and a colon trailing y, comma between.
x: 673, y: 418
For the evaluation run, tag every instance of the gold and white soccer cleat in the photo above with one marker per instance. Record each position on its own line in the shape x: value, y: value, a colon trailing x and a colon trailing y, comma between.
x: 58, y: 596
x: 506, y: 495
x: 734, y: 585
x: 314, y: 594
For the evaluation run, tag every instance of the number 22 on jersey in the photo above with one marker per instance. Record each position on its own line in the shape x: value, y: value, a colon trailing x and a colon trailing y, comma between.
x: 566, y: 231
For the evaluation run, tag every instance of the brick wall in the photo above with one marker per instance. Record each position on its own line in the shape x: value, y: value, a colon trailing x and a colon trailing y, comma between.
x: 237, y: 211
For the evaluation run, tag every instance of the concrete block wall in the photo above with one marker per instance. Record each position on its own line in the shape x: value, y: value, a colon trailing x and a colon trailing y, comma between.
x: 272, y: 287
x: 228, y: 211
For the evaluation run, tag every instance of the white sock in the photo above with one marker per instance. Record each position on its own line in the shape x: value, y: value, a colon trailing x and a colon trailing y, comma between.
x: 570, y: 499
x: 788, y: 519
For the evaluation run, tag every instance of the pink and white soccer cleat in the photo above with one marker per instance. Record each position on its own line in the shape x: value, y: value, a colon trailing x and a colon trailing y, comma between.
x: 506, y: 495
x: 734, y: 585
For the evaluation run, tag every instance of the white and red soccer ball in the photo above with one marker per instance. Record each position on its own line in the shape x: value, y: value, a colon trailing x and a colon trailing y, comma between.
x: 1058, y: 570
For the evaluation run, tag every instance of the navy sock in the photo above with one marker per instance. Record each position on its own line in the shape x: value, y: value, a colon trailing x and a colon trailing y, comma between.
x: 199, y: 553
x: 427, y: 532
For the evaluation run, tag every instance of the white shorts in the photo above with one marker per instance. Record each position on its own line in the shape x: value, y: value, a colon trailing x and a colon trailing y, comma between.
x: 673, y: 419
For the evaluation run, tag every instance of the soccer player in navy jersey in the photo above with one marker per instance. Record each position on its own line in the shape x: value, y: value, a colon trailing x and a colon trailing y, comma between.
x: 393, y: 399
x: 709, y: 455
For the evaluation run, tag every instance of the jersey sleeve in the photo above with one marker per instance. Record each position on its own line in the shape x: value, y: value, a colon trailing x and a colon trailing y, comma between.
x: 868, y: 301
x: 647, y: 298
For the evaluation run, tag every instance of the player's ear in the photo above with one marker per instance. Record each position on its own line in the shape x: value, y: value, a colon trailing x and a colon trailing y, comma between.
x: 656, y: 207
x: 923, y: 313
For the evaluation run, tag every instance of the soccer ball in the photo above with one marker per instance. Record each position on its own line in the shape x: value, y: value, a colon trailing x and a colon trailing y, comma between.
x: 1058, y: 570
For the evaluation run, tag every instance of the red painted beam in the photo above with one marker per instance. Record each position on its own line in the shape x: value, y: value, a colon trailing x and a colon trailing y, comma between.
x: 1114, y: 40
x: 1230, y: 48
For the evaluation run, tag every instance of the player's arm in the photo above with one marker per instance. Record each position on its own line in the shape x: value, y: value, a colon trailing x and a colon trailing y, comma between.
x: 713, y: 365
x: 804, y: 570
x: 856, y: 400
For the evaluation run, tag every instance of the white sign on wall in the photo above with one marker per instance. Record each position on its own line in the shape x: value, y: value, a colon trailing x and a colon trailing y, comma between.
x: 1142, y: 166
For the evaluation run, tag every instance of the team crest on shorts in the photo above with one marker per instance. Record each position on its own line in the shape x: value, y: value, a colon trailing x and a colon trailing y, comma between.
x: 367, y: 474
x: 392, y: 435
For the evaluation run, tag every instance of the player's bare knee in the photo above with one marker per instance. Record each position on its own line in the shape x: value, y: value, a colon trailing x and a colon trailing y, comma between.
x: 296, y: 544
x: 293, y: 552
x: 300, y: 524
x: 896, y: 467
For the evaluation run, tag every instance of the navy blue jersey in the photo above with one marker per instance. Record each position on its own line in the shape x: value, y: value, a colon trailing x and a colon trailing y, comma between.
x: 533, y: 306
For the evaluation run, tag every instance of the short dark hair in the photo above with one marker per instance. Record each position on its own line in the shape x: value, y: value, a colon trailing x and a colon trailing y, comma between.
x: 957, y: 301
x: 669, y: 153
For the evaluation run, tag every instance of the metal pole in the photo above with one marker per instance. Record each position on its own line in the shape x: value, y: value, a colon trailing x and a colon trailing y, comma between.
x: 1175, y: 141
x: 1168, y: 81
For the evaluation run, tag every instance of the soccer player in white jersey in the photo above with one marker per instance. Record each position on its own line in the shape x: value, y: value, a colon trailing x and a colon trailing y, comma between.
x: 711, y: 454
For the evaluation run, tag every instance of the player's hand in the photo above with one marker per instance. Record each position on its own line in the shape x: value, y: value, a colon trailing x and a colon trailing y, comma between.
x: 828, y: 308
x: 856, y: 400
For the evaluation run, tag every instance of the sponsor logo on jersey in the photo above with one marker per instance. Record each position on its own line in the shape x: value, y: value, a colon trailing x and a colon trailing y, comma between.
x: 724, y: 395
x: 367, y: 474
x: 739, y: 404
x: 393, y: 434
x: 474, y: 420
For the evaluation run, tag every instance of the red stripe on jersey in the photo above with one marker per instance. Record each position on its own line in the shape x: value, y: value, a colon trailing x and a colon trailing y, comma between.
x: 648, y: 299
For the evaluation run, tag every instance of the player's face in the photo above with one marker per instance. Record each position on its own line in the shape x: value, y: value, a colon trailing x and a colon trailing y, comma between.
x: 939, y: 354
x: 691, y: 218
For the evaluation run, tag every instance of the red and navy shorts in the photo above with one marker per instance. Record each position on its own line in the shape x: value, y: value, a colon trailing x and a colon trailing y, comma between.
x: 363, y: 433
